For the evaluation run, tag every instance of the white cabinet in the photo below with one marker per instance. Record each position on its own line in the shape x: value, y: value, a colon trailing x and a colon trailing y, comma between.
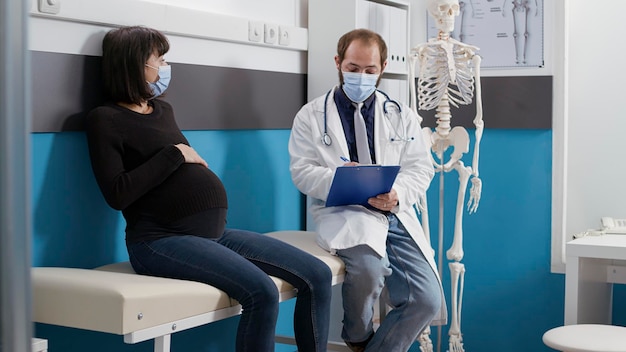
x: 330, y: 19
x: 592, y: 266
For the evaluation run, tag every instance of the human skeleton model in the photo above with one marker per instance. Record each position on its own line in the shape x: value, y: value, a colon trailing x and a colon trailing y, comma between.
x: 521, y: 9
x: 448, y: 73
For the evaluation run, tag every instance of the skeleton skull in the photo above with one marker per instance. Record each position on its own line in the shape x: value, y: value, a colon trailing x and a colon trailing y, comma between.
x: 444, y: 12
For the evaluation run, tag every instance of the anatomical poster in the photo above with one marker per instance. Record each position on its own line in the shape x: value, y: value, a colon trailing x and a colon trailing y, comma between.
x: 509, y: 33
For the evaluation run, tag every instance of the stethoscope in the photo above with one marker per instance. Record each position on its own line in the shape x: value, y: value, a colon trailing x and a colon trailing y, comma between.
x: 327, y: 141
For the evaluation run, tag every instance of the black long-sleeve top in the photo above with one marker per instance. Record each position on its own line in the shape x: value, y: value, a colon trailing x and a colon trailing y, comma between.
x: 141, y: 172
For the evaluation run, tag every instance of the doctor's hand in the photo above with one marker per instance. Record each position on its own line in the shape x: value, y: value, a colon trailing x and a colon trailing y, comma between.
x: 385, y: 201
x: 190, y: 154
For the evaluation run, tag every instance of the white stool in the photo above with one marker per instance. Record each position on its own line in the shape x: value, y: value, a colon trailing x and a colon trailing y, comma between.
x: 587, y: 338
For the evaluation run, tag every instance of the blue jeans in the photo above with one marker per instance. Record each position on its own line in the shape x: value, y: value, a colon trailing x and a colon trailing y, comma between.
x: 413, y: 292
x: 239, y: 263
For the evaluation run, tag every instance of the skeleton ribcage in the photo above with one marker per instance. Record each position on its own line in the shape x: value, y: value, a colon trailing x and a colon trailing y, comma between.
x: 435, y: 79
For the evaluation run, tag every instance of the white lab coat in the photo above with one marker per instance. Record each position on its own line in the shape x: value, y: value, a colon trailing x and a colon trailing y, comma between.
x: 313, y: 164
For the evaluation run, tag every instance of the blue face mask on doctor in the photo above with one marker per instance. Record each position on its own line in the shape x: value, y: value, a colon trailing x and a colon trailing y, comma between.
x: 165, y: 75
x: 359, y: 86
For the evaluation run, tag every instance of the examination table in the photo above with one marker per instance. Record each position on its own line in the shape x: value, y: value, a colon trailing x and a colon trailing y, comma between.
x: 114, y: 299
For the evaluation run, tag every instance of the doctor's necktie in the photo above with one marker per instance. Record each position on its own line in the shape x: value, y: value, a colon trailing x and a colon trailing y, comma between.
x: 360, y: 134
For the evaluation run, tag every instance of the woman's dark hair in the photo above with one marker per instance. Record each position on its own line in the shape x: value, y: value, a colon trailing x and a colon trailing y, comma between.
x: 125, y: 51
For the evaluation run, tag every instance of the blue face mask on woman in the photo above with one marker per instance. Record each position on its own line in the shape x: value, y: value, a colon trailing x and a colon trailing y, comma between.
x: 359, y: 86
x: 165, y: 75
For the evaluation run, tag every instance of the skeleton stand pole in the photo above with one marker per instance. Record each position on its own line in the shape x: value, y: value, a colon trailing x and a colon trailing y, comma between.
x: 440, y: 232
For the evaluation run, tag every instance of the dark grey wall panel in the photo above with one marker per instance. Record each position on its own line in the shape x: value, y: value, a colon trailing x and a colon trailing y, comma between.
x: 208, y: 97
x: 66, y: 87
x: 523, y: 102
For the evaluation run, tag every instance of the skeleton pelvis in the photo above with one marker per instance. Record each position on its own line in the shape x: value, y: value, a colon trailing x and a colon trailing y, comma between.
x: 458, y: 139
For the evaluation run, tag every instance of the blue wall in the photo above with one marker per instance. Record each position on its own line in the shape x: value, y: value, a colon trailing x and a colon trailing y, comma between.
x: 510, y: 297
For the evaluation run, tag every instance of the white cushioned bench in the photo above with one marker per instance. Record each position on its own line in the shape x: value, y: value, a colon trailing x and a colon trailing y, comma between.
x: 114, y: 299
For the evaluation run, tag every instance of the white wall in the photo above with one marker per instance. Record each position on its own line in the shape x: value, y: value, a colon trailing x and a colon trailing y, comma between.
x: 288, y: 12
x: 588, y: 181
x: 596, y: 118
x: 211, y: 32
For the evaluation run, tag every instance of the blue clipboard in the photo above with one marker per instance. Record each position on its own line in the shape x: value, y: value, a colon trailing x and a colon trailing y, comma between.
x: 354, y: 185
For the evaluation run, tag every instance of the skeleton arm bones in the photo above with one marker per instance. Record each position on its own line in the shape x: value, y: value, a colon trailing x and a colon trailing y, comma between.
x: 476, y: 188
x: 415, y: 58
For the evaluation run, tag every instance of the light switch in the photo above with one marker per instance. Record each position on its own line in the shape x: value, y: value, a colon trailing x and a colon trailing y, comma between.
x: 255, y: 31
x: 271, y: 33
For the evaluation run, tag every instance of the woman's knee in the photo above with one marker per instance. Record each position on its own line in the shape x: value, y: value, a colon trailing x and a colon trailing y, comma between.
x: 322, y: 282
x: 320, y: 275
x: 316, y: 277
x: 259, y: 293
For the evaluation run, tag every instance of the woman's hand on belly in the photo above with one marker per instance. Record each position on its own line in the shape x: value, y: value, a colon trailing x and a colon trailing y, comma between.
x: 190, y: 154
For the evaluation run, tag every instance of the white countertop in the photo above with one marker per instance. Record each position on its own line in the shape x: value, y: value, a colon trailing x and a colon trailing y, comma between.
x: 602, y: 246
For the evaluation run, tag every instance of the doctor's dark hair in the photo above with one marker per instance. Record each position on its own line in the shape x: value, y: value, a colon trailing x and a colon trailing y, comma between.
x: 366, y: 36
x: 125, y: 51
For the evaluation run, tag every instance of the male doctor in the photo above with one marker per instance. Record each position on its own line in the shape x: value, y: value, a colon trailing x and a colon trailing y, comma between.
x: 382, y: 245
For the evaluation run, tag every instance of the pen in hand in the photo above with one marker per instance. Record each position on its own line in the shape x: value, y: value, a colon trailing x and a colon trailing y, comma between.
x: 348, y: 162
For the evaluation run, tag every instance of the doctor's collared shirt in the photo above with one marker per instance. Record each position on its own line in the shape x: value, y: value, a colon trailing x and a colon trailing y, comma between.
x: 346, y: 108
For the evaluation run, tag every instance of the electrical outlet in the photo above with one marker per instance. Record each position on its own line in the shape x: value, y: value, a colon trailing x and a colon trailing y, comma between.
x: 284, y: 35
x: 50, y: 6
x: 616, y: 274
x: 271, y: 33
x: 255, y: 31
